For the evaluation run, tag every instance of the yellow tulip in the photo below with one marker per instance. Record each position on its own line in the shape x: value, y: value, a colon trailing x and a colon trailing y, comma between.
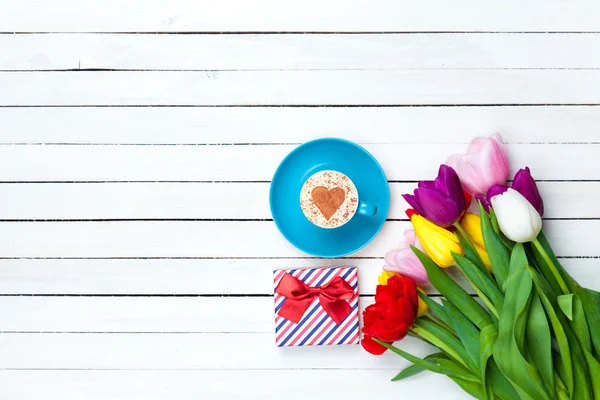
x: 385, y: 275
x: 439, y: 243
x: 422, y: 307
x: 471, y: 223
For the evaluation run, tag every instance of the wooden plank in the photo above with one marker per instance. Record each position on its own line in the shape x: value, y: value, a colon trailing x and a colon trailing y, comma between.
x: 164, y: 276
x: 217, y: 239
x: 174, y: 276
x: 306, y: 15
x: 139, y: 314
x: 152, y: 200
x: 176, y: 125
x: 364, y: 87
x: 258, y: 163
x: 164, y: 314
x: 222, y: 385
x: 289, y: 52
x: 233, y: 351
x: 195, y: 276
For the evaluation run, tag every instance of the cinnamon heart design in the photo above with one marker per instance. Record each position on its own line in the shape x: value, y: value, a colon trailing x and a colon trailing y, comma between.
x: 328, y: 201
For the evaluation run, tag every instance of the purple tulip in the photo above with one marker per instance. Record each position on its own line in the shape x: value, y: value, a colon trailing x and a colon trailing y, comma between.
x: 494, y: 191
x: 441, y: 201
x: 524, y: 184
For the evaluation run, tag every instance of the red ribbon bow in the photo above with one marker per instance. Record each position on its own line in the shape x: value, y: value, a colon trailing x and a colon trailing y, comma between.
x: 299, y: 296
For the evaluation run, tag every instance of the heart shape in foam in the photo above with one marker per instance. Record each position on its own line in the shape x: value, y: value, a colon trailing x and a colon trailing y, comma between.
x: 328, y: 200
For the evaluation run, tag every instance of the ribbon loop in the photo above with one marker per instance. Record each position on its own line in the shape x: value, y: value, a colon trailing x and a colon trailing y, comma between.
x: 333, y: 297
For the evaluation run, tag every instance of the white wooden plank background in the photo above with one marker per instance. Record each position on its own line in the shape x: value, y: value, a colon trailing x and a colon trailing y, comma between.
x: 130, y: 130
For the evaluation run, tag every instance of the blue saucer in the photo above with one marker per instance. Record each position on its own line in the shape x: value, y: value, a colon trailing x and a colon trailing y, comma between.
x: 328, y: 154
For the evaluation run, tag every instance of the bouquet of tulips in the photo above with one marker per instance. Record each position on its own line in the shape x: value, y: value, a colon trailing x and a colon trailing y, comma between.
x: 534, y: 334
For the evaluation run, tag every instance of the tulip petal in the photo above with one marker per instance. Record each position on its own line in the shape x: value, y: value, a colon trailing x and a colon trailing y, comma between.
x: 441, y: 210
x: 495, y: 191
x: 372, y: 346
x: 517, y: 218
x: 484, y: 164
x: 390, y: 259
x: 476, y: 144
x: 525, y: 184
x: 414, y: 202
x: 493, y: 164
x: 409, y: 238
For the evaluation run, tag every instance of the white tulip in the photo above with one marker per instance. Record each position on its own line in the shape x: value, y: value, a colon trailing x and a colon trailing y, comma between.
x: 518, y: 220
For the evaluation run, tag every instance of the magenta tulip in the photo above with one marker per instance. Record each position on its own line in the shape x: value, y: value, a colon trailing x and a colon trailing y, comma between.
x: 441, y: 201
x: 524, y: 184
x: 485, y: 164
x: 405, y: 262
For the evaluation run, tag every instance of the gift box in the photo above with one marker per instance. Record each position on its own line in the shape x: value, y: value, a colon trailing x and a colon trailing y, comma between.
x: 316, y: 306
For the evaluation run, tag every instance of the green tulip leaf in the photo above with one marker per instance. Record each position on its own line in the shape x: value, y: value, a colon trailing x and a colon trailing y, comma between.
x: 414, y: 369
x: 487, y: 338
x: 445, y: 341
x: 576, y: 335
x: 480, y: 282
x: 437, y: 310
x: 467, y: 333
x: 539, y: 342
x: 501, y: 386
x: 594, y: 371
x: 439, y: 366
x: 510, y: 348
x: 493, y: 219
x: 453, y: 292
x: 474, y: 389
x: 545, y: 293
x: 565, y: 303
x: 580, y: 325
x: 590, y: 301
x: 498, y: 253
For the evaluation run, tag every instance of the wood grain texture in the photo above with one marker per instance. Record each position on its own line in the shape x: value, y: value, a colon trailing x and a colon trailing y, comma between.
x: 130, y: 268
x: 214, y: 351
x: 204, y: 200
x: 306, y: 15
x: 401, y: 162
x: 364, y: 87
x: 293, y: 52
x: 402, y: 125
x: 214, y: 384
x: 219, y: 239
x: 195, y: 277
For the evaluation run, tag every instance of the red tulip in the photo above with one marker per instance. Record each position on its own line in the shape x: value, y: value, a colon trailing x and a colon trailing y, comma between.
x: 392, y: 315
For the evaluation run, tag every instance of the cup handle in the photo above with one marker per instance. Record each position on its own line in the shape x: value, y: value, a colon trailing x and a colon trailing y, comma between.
x: 366, y: 209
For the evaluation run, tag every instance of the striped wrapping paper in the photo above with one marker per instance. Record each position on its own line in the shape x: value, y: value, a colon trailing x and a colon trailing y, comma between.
x: 316, y: 327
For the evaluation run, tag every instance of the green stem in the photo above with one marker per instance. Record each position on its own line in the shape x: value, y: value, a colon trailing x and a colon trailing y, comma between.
x: 434, y: 340
x: 550, y: 264
x: 481, y: 295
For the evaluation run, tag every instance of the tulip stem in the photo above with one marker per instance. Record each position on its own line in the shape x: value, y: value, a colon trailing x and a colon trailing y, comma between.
x: 551, y: 266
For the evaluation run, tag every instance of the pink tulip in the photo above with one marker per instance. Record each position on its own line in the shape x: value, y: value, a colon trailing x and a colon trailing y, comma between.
x: 484, y: 165
x: 405, y: 262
